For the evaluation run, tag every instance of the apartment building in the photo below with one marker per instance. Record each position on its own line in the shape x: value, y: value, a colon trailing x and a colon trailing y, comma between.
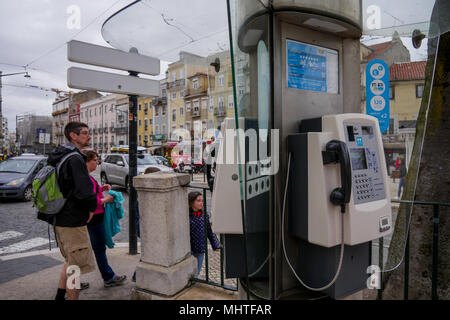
x: 102, y: 117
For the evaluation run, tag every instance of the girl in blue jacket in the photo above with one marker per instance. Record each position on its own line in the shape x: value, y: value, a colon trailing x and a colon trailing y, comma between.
x: 197, y: 229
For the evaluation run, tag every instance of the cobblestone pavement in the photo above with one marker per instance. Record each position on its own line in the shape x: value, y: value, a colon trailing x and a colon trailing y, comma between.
x: 215, y: 270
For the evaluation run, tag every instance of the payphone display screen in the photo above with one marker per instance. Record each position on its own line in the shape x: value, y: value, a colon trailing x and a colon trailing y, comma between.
x: 367, y: 174
x: 358, y: 157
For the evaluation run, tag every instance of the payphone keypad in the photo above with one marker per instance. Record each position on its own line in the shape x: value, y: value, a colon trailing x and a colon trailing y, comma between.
x: 367, y: 177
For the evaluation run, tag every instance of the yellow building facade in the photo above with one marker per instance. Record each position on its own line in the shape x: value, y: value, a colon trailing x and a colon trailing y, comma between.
x: 145, y: 122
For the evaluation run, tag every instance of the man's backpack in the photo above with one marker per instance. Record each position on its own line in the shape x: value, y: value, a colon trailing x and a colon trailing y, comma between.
x: 47, y: 195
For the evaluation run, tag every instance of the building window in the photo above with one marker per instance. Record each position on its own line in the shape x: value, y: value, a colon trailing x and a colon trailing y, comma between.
x: 174, y: 95
x: 196, y: 106
x: 221, y: 80
x: 392, y: 93
x: 419, y: 90
x: 211, y: 104
x: 211, y: 124
x: 221, y: 103
x: 163, y: 129
x: 230, y: 102
x: 140, y: 123
x: 156, y: 129
x: 195, y: 83
x: 204, y: 103
x: 156, y: 111
x: 188, y: 126
x: 182, y: 94
x: 174, y: 76
x: 181, y: 111
x: 174, y: 115
x: 188, y: 107
x: 392, y: 127
x: 163, y: 111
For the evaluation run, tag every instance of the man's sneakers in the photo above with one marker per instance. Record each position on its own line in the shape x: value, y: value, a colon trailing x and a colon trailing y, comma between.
x: 115, y: 281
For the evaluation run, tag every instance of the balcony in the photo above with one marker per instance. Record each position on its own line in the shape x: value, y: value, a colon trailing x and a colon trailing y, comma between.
x: 196, y: 113
x: 219, y: 112
x: 57, y: 113
x: 111, y: 129
x: 159, y: 101
x: 105, y: 130
x: 122, y: 130
x: 195, y: 92
x: 177, y: 83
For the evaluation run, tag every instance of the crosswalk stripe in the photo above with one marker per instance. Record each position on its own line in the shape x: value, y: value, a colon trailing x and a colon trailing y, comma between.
x: 24, y: 245
x: 9, y: 235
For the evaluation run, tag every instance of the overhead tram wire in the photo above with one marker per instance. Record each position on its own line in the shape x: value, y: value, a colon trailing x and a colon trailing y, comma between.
x: 63, y: 44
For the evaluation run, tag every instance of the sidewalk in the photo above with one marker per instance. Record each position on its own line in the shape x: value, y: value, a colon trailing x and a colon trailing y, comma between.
x: 42, y: 285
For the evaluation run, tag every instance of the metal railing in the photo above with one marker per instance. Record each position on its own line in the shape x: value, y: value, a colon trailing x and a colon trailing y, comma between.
x: 435, y: 248
x: 208, y: 279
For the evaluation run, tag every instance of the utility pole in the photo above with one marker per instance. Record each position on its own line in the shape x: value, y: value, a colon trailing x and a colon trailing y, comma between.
x: 132, y: 156
x: 132, y: 147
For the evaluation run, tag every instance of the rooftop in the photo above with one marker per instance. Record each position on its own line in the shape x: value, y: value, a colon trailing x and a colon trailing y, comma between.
x: 407, y: 71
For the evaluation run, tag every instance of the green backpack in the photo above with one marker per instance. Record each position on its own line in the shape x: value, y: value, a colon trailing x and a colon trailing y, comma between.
x: 47, y: 196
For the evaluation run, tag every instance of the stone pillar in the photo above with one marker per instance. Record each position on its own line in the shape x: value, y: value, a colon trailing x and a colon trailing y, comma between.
x: 166, y: 263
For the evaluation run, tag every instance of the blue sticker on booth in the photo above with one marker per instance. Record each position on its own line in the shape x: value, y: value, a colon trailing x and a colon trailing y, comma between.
x: 377, y: 92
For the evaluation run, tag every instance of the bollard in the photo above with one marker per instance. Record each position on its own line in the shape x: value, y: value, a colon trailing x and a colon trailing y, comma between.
x: 166, y: 264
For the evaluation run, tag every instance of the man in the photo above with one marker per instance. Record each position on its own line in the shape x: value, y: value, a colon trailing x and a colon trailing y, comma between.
x: 403, y: 174
x: 70, y: 225
x: 208, y: 158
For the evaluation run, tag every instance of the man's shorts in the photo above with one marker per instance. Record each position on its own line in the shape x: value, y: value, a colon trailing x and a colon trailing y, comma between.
x: 75, y: 246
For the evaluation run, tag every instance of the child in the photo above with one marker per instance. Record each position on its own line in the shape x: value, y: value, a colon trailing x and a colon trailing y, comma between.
x: 197, y: 229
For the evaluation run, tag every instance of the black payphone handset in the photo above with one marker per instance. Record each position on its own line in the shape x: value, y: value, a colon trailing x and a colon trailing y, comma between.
x: 339, y: 152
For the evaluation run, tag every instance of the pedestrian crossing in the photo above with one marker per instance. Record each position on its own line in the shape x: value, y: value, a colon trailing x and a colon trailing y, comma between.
x: 20, y: 246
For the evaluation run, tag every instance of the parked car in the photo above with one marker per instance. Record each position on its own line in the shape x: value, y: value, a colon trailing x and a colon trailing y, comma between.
x: 162, y: 160
x: 115, y: 168
x: 17, y: 174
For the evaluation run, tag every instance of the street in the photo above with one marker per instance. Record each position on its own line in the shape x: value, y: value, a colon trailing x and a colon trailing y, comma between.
x: 24, y: 239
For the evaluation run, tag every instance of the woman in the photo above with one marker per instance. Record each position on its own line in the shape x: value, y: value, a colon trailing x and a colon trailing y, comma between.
x: 197, y: 229
x: 96, y: 226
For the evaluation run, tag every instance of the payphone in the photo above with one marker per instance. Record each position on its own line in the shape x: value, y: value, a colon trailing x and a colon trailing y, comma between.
x: 338, y: 196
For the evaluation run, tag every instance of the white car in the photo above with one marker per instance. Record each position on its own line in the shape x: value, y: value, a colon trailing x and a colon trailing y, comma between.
x: 115, y: 168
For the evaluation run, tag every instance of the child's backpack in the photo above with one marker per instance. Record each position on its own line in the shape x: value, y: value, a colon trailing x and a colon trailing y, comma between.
x: 47, y: 196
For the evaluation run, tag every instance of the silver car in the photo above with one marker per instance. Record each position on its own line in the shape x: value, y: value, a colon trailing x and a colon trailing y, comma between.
x: 115, y: 168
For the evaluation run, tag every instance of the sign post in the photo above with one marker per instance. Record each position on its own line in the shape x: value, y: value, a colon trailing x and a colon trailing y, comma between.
x: 131, y: 85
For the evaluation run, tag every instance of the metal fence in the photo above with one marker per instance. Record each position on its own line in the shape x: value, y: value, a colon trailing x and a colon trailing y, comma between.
x: 213, y: 270
x: 435, y: 256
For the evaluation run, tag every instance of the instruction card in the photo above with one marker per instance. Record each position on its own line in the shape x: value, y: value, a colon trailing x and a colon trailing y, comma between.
x: 312, y: 68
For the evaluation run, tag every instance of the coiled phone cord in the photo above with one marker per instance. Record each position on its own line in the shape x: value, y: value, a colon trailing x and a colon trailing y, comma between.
x: 284, y: 247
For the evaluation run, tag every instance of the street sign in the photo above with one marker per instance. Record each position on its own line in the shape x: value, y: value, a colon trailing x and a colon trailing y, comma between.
x: 44, y: 138
x: 377, y: 92
x: 85, y: 79
x: 92, y: 54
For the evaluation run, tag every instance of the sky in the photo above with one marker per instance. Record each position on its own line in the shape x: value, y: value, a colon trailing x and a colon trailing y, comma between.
x: 34, y: 33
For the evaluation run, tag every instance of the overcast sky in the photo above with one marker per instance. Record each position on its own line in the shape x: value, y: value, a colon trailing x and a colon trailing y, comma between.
x: 34, y: 33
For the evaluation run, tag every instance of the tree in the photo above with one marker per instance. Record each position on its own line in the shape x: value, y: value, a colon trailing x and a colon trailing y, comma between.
x: 428, y: 179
